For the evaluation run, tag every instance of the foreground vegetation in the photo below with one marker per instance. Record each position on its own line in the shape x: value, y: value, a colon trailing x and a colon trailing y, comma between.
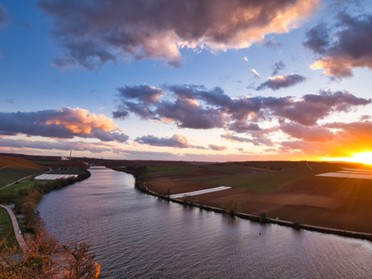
x: 6, y: 230
x: 45, y: 256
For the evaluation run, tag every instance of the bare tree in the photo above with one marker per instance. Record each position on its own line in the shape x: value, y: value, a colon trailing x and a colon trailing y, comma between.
x: 82, y: 264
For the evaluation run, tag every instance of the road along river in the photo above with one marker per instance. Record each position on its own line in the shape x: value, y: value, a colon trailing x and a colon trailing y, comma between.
x: 138, y: 236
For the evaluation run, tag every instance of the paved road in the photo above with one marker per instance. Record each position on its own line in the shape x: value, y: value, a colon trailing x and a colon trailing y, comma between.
x: 17, y: 231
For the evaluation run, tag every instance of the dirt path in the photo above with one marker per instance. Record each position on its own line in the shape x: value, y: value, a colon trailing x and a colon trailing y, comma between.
x: 17, y: 231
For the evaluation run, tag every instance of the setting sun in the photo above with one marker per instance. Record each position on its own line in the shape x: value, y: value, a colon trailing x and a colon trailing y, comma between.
x: 362, y: 157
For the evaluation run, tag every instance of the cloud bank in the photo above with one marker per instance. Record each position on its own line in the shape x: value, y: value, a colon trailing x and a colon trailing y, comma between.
x: 95, y: 32
x: 283, y: 81
x: 195, y: 107
x: 177, y: 141
x: 63, y: 123
x: 52, y: 145
x: 342, y: 47
x: 332, y: 139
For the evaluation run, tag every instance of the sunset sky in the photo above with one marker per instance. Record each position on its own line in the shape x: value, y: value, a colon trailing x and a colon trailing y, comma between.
x: 200, y: 80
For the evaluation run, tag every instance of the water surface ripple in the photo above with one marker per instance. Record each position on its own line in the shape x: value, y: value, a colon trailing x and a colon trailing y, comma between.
x: 138, y: 236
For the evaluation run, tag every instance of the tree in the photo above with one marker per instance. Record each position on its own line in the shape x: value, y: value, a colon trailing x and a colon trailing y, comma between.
x: 81, y: 262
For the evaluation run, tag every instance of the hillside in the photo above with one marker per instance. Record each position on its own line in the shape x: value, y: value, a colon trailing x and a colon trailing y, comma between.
x: 14, y: 168
x: 17, y: 163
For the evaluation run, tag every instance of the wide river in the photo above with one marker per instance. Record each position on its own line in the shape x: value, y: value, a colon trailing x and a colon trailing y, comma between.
x: 138, y: 236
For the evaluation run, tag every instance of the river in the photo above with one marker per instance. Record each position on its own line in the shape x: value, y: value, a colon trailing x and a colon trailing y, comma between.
x: 138, y: 236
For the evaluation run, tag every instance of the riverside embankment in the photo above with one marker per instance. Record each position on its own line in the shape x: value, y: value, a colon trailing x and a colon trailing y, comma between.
x: 296, y: 208
x: 252, y: 217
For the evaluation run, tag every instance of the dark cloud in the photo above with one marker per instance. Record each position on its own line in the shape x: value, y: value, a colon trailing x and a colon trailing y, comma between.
x: 318, y: 39
x: 256, y: 138
x: 261, y: 139
x: 63, y: 123
x: 59, y: 145
x: 93, y: 33
x: 313, y: 107
x: 148, y: 155
x: 144, y: 96
x: 177, y: 141
x: 217, y: 147
x: 232, y: 137
x: 198, y: 108
x: 342, y: 47
x: 187, y: 114
x: 2, y: 16
x: 243, y: 127
x: 147, y: 94
x: 277, y: 67
x: 278, y: 82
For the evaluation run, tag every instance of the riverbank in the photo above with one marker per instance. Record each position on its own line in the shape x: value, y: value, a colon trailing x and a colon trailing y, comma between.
x: 256, y: 218
x: 311, y: 203
x: 40, y: 255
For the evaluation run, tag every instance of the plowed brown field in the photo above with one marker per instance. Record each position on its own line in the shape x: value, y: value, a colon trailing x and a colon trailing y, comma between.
x: 287, y: 190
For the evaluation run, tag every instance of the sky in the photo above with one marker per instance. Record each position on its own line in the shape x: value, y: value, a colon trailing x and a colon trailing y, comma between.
x: 196, y: 80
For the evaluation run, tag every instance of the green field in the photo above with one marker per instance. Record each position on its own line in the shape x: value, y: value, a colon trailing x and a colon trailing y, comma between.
x: 9, y: 175
x: 6, y: 229
x: 255, y: 176
x: 13, y: 191
x: 166, y: 170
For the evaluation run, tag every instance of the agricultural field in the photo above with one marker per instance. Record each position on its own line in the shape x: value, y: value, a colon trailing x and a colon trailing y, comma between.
x: 12, y: 192
x: 289, y: 191
x: 13, y: 169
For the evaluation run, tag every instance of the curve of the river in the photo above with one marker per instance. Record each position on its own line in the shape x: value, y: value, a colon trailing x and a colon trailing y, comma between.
x: 138, y: 236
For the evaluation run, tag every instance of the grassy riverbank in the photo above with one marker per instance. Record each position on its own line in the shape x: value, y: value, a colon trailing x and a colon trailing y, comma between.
x: 6, y: 230
x: 288, y: 193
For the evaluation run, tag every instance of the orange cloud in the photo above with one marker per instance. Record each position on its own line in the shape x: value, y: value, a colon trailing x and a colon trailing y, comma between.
x: 340, y: 66
x: 331, y: 140
x: 63, y: 123
x: 81, y: 121
x: 159, y: 29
